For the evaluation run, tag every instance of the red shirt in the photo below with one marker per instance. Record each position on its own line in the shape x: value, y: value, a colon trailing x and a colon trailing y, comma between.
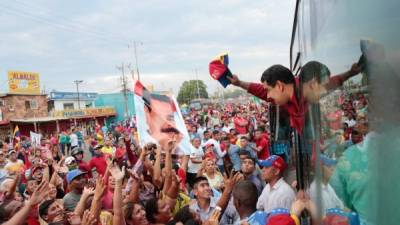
x: 182, y: 176
x: 264, y: 144
x: 84, y: 166
x: 99, y: 163
x: 296, y: 109
x: 240, y: 129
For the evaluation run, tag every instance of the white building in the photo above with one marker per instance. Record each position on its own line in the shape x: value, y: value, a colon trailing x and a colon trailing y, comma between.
x: 70, y: 101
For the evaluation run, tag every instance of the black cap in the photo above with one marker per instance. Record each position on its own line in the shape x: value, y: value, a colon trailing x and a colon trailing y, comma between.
x: 76, y: 151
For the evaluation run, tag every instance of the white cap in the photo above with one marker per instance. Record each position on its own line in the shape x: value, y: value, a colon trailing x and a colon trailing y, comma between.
x: 69, y: 160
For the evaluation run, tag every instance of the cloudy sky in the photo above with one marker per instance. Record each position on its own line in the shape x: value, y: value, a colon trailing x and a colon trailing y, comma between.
x: 86, y: 40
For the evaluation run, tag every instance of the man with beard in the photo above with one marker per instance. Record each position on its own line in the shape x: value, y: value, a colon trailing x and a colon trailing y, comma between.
x: 76, y: 182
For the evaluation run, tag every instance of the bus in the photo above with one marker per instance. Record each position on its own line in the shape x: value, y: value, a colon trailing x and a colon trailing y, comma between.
x: 356, y: 126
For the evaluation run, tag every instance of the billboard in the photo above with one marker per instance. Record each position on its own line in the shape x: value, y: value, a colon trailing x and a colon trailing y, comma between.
x: 23, y: 83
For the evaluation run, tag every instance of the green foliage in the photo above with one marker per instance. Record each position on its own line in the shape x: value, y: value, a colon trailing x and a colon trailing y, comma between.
x: 188, y: 91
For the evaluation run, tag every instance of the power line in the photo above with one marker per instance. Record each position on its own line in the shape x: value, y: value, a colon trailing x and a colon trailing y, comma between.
x: 61, y: 26
x: 66, y: 18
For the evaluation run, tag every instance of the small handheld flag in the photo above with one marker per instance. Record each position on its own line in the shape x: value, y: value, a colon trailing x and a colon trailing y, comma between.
x: 219, y: 69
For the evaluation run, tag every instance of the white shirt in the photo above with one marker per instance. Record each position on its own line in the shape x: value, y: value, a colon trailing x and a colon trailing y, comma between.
x: 195, y: 153
x: 281, y: 195
x: 227, y: 129
x: 329, y: 199
x: 74, y: 139
x: 200, y: 132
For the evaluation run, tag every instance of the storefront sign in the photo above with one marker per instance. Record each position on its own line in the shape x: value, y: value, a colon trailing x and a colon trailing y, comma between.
x: 73, y: 96
x: 89, y: 112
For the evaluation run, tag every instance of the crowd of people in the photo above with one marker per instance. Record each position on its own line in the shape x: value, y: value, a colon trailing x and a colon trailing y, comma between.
x: 232, y: 175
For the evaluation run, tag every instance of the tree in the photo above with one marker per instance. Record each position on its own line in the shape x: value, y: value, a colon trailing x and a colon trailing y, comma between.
x: 188, y: 91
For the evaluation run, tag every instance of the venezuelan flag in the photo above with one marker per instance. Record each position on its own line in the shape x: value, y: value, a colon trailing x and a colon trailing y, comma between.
x: 223, y: 58
x: 16, y: 132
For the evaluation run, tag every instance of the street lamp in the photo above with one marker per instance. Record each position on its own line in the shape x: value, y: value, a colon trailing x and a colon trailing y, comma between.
x: 77, y: 82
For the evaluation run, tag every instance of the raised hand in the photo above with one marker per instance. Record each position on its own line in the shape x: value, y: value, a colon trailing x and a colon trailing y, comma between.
x: 300, y: 204
x: 234, y: 80
x: 88, y: 191
x: 88, y: 218
x: 39, y: 194
x: 230, y: 182
x: 117, y: 173
x: 355, y: 69
x: 214, y: 218
x: 100, y: 188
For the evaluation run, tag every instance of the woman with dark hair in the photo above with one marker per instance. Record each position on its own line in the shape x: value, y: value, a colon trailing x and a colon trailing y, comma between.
x: 158, y: 211
x: 135, y: 214
x: 186, y: 216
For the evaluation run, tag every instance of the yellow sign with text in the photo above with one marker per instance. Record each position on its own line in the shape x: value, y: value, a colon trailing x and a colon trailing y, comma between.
x: 23, y: 83
x: 88, y: 112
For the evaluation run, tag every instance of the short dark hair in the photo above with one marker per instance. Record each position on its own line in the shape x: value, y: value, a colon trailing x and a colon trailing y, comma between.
x: 314, y: 70
x: 215, y: 132
x: 226, y: 138
x: 44, y: 208
x: 244, y: 152
x: 246, y: 193
x: 277, y: 73
x: 192, y: 222
x: 198, y: 180
x: 151, y: 209
x: 244, y: 138
x: 252, y: 159
x: 147, y: 97
x: 259, y: 129
x: 184, y: 214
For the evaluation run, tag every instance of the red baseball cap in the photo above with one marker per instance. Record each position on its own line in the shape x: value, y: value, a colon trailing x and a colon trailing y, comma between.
x: 275, y: 161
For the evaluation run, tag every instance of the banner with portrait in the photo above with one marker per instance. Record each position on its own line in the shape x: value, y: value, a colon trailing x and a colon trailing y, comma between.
x: 158, y: 118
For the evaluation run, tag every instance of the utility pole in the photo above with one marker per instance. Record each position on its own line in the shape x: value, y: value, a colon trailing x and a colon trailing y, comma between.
x: 77, y: 82
x: 124, y: 88
x: 197, y: 84
x: 131, y: 70
x: 136, y: 57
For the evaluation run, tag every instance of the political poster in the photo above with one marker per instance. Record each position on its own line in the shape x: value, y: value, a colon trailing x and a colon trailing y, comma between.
x: 158, y: 118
